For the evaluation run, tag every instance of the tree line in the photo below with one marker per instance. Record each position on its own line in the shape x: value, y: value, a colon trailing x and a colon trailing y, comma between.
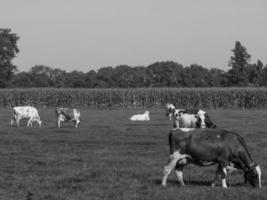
x: 241, y: 72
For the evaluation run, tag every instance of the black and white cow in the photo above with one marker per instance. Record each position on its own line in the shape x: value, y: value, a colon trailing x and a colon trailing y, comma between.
x: 193, y: 118
x: 205, y: 147
x: 68, y: 114
x: 169, y: 108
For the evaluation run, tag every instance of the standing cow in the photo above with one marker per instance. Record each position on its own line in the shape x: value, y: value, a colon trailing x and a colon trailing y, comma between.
x: 169, y: 108
x: 68, y: 114
x: 194, y: 118
x: 206, y: 147
x: 25, y: 112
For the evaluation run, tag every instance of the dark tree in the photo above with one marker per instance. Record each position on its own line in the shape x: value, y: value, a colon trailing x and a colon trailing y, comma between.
x: 8, y: 50
x: 91, y: 79
x: 105, y: 77
x: 162, y: 74
x: 254, y: 72
x: 75, y: 79
x: 195, y: 76
x: 123, y: 76
x: 216, y: 77
x: 239, y: 63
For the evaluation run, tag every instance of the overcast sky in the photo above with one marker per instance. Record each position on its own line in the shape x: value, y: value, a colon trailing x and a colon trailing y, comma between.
x: 89, y: 34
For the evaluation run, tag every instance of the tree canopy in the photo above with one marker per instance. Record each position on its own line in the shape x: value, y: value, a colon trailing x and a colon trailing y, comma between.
x: 159, y: 74
x: 8, y: 50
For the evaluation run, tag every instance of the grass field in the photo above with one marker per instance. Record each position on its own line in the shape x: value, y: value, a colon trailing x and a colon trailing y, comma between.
x: 109, y: 157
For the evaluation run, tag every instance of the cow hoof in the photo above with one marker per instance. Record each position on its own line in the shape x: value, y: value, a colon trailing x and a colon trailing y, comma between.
x: 163, y: 183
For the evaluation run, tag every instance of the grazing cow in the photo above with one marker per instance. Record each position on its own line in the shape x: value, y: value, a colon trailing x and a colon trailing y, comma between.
x: 170, y: 108
x: 68, y: 114
x: 206, y: 147
x: 141, y: 117
x: 191, y: 119
x: 25, y: 112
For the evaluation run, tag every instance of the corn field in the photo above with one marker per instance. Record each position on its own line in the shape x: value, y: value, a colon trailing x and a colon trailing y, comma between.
x: 244, y: 98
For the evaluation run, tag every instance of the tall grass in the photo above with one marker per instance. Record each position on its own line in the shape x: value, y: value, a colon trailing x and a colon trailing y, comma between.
x: 249, y: 98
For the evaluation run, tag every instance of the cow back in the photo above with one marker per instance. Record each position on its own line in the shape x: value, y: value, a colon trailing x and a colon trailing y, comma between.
x: 68, y: 113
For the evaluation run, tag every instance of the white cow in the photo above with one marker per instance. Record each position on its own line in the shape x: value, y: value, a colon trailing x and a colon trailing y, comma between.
x: 68, y: 114
x: 25, y: 112
x: 141, y: 117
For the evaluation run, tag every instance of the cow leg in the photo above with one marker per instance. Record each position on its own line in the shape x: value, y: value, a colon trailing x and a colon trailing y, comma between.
x: 12, y: 121
x: 223, y: 169
x: 29, y: 124
x: 17, y: 121
x: 58, y: 121
x: 172, y: 163
x: 175, y: 124
x: 179, y: 175
x: 77, y: 123
x: 224, y: 174
x: 179, y: 169
x: 217, y: 173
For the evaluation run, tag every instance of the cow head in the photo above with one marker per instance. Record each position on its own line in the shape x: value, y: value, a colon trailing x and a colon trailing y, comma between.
x: 201, y: 118
x: 38, y: 121
x: 177, y: 114
x: 253, y: 176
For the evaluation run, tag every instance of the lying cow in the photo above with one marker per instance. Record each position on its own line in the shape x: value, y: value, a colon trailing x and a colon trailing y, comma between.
x: 68, y: 114
x: 25, y: 112
x: 169, y: 108
x: 141, y: 117
x: 206, y: 147
x: 191, y: 119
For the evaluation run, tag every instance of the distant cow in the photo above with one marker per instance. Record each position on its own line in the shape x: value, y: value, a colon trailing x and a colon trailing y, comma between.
x: 141, y: 117
x: 169, y: 108
x: 194, y: 118
x: 68, y: 114
x: 206, y: 147
x: 25, y: 112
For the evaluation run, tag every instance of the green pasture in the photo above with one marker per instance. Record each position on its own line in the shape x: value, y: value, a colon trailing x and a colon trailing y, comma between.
x: 110, y: 157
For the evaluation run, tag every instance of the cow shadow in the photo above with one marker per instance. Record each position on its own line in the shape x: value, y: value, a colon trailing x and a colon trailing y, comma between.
x: 197, y: 183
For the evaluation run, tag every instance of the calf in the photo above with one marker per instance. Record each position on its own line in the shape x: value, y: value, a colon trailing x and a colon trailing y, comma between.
x: 141, y: 117
x: 205, y: 147
x: 25, y: 112
x: 68, y: 114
